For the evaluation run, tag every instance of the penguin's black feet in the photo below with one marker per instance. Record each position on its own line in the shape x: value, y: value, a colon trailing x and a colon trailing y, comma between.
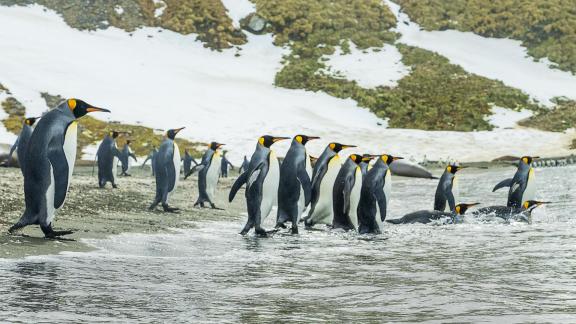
x: 214, y: 207
x: 260, y: 232
x: 56, y: 235
x: 294, y: 230
x: 115, y: 186
x: 169, y: 209
x: 308, y: 224
x: 280, y: 225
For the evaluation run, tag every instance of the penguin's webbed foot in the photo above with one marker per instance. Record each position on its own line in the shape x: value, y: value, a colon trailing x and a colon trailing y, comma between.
x: 56, y: 235
x: 115, y: 186
x: 169, y: 209
x: 214, y: 207
x: 294, y: 230
x: 261, y: 232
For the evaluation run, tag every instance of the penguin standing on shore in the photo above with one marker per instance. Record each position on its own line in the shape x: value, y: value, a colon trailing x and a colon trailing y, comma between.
x: 522, y: 185
x: 346, y: 194
x: 208, y: 175
x: 323, y: 177
x: 108, y: 156
x: 22, y: 141
x: 262, y: 180
x: 125, y: 156
x: 50, y: 159
x: 446, y: 188
x: 187, y: 161
x: 295, y: 187
x: 428, y: 216
x: 522, y: 214
x: 167, y: 169
x: 224, y: 164
x: 375, y: 195
x: 151, y: 157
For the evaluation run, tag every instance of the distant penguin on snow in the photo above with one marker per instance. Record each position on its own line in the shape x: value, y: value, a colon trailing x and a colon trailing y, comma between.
x: 50, y: 159
x: 22, y: 141
x: 208, y: 175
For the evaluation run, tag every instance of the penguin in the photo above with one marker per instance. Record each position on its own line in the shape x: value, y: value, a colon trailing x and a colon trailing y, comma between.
x: 295, y: 187
x: 446, y: 188
x: 224, y: 163
x: 346, y: 194
x: 108, y: 156
x: 208, y: 175
x: 167, y: 169
x: 522, y: 214
x: 151, y: 157
x: 365, y: 163
x: 262, y: 180
x: 427, y: 216
x: 188, y: 160
x: 522, y: 185
x: 22, y: 141
x: 125, y: 156
x: 245, y: 164
x: 50, y: 158
x: 323, y: 176
x: 375, y: 195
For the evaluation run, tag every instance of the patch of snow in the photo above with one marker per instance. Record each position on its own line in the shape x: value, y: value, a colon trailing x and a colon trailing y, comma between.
x: 507, y: 118
x: 500, y: 59
x: 238, y: 9
x: 369, y: 68
x: 119, y: 10
x: 160, y: 9
x: 89, y: 152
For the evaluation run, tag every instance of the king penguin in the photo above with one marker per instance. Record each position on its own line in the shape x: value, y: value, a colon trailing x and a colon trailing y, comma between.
x: 108, y: 156
x: 522, y: 185
x: 375, y: 195
x: 167, y: 169
x: 22, y: 141
x: 245, y: 164
x: 295, y: 186
x: 446, y: 188
x: 323, y: 177
x: 125, y: 156
x: 208, y: 175
x: 365, y: 164
x: 522, y: 214
x: 151, y: 157
x: 346, y: 194
x: 428, y: 216
x: 50, y: 159
x: 187, y: 161
x: 262, y: 179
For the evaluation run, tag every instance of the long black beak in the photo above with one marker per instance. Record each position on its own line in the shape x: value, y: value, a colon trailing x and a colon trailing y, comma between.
x: 96, y: 109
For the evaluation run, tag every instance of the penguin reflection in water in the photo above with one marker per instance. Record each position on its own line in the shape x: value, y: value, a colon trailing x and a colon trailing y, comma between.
x: 208, y: 175
x: 167, y: 170
x: 262, y: 179
x: 22, y: 141
x: 50, y: 159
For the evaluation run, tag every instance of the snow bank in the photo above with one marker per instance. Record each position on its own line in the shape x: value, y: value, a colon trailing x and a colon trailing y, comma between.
x: 238, y: 9
x: 500, y: 59
x: 370, y: 69
x: 507, y: 118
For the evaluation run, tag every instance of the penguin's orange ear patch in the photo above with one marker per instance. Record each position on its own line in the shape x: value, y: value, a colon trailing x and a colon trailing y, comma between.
x: 299, y: 139
x: 72, y: 104
x: 457, y: 209
x: 332, y: 146
x: 261, y: 140
x: 385, y: 158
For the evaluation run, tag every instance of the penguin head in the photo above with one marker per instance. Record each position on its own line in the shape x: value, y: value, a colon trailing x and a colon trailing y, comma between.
x: 462, y: 208
x: 388, y: 159
x: 268, y: 140
x: 337, y: 147
x: 215, y: 145
x: 80, y: 108
x: 303, y: 139
x: 368, y: 157
x: 171, y: 133
x: 453, y: 168
x: 528, y: 159
x: 128, y: 142
x: 30, y: 121
x: 114, y: 134
x: 356, y: 158
x: 531, y: 204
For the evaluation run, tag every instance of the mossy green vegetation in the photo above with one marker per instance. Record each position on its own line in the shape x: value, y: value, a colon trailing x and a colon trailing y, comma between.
x: 16, y: 112
x: 207, y: 18
x: 559, y: 119
x: 547, y: 28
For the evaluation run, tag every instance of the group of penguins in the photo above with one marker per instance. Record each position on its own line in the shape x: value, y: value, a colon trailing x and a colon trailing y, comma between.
x: 349, y: 195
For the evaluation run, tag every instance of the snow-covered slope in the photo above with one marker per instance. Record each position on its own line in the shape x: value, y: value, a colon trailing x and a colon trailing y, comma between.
x: 166, y: 80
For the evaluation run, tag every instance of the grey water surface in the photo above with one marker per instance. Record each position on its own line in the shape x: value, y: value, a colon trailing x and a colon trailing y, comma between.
x: 472, y: 272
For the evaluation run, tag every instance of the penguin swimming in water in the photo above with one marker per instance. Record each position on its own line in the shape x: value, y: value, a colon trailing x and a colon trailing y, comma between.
x: 125, y: 156
x: 151, y: 157
x: 428, y: 216
x: 188, y: 160
x: 50, y: 159
x: 262, y: 180
x: 346, y: 193
x: 522, y: 214
x: 208, y: 175
x: 22, y: 141
x: 108, y: 156
x: 375, y: 195
x: 167, y: 169
x: 224, y: 163
x: 522, y: 185
x: 323, y: 177
x: 446, y: 188
x: 245, y: 164
x: 295, y: 187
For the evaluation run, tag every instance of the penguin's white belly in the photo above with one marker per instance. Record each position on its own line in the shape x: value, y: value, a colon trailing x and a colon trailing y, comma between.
x: 50, y: 210
x: 130, y: 160
x: 323, y: 211
x: 355, y: 198
x: 176, y: 161
x: 530, y: 191
x: 213, y: 175
x: 308, y: 166
x: 455, y: 193
x: 70, y: 141
x: 270, y: 186
x: 302, y: 199
x: 114, y: 168
x: 387, y: 186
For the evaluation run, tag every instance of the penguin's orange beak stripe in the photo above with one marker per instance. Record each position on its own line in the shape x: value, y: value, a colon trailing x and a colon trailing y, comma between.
x: 397, y: 158
x: 277, y: 139
x: 94, y: 109
x: 177, y: 130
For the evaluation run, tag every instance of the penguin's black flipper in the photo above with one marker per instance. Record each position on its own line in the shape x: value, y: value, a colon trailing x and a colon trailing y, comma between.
x: 237, y: 185
x: 13, y: 148
x: 171, y: 176
x: 502, y: 184
x: 316, y: 180
x: 451, y: 200
x: 59, y: 164
x: 306, y: 185
x: 381, y: 199
x: 348, y: 185
x: 395, y: 221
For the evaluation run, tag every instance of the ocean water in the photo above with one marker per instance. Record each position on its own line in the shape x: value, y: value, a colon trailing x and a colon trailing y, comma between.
x: 472, y: 272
